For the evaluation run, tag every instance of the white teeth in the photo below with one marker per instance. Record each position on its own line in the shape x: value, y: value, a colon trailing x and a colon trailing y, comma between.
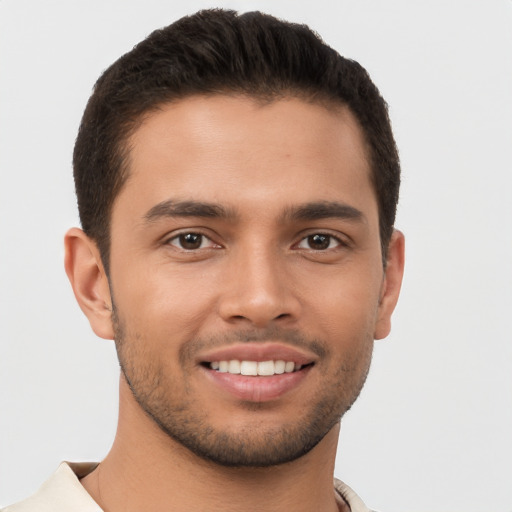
x: 279, y: 367
x: 249, y: 368
x: 234, y: 366
x: 264, y: 368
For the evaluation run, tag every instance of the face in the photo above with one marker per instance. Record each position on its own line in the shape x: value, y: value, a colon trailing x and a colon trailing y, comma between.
x: 246, y: 274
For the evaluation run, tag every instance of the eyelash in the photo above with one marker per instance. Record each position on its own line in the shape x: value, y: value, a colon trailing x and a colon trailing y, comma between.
x: 202, y: 238
x: 325, y: 236
x: 180, y: 236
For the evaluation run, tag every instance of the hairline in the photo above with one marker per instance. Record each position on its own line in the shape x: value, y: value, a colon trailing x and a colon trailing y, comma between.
x: 127, y: 130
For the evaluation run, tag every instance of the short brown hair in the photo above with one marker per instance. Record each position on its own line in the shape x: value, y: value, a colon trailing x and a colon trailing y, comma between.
x: 218, y: 51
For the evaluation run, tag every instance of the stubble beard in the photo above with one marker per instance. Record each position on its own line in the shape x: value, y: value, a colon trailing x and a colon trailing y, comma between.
x: 255, y: 445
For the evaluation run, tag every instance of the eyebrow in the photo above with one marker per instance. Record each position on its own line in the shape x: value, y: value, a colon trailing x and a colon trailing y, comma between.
x: 308, y: 211
x: 174, y: 208
x: 323, y: 210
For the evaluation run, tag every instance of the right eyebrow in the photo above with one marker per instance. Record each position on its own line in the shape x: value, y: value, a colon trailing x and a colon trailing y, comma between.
x: 174, y: 208
x: 318, y: 210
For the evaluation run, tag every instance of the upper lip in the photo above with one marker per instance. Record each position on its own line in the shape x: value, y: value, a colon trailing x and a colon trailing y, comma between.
x: 258, y: 351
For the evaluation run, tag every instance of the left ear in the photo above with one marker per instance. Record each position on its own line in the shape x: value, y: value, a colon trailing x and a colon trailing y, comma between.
x: 89, y: 281
x: 391, y: 284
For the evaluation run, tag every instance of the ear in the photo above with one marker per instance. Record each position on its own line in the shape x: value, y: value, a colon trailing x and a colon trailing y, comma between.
x: 89, y: 281
x: 391, y: 284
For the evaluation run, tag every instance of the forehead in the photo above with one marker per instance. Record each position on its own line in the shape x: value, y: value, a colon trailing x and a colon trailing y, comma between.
x: 205, y: 147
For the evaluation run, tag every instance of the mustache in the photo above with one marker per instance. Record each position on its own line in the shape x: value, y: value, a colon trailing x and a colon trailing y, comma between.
x: 291, y: 337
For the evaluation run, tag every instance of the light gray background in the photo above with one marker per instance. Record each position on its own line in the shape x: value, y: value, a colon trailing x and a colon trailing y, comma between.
x: 432, y: 429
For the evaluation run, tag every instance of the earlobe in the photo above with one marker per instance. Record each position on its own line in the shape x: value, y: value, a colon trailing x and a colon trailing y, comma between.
x: 88, y: 279
x: 391, y: 284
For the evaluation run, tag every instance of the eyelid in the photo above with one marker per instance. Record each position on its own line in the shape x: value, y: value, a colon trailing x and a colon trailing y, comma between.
x: 342, y: 241
x: 185, y: 231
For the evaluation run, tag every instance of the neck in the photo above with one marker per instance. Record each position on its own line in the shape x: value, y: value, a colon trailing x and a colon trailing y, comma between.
x: 147, y: 470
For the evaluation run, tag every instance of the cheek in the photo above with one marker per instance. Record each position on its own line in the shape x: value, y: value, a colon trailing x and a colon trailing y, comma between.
x: 162, y: 306
x: 346, y: 305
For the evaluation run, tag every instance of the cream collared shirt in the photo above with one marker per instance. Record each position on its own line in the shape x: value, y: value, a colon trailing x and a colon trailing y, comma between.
x: 63, y: 492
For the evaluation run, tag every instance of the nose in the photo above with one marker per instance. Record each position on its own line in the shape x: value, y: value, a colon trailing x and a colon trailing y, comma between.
x: 259, y: 291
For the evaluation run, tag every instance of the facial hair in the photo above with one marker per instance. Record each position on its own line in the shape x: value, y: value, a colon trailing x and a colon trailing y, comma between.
x: 169, y: 401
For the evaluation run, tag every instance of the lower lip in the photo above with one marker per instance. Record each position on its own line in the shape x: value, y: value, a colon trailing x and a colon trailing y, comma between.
x: 258, y: 389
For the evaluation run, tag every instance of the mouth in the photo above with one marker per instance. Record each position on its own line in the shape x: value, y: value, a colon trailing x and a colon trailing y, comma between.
x: 255, y: 368
x: 257, y: 372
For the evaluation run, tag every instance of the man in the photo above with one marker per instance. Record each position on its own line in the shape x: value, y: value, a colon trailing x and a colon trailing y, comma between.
x: 237, y: 183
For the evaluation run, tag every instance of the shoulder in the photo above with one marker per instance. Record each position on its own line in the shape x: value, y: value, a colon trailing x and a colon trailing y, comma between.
x: 60, y: 493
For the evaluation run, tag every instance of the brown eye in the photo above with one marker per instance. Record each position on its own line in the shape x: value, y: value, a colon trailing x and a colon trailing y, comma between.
x: 191, y: 241
x: 319, y: 242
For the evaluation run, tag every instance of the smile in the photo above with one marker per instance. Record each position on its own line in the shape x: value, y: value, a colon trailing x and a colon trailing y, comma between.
x: 257, y: 372
x: 255, y: 368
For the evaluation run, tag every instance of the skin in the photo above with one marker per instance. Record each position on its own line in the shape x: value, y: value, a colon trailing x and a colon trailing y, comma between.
x: 256, y: 276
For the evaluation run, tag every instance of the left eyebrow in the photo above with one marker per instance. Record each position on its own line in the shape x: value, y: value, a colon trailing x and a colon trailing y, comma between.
x: 323, y: 210
x: 176, y: 208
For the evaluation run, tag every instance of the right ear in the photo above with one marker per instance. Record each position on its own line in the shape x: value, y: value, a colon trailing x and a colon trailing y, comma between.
x: 89, y: 281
